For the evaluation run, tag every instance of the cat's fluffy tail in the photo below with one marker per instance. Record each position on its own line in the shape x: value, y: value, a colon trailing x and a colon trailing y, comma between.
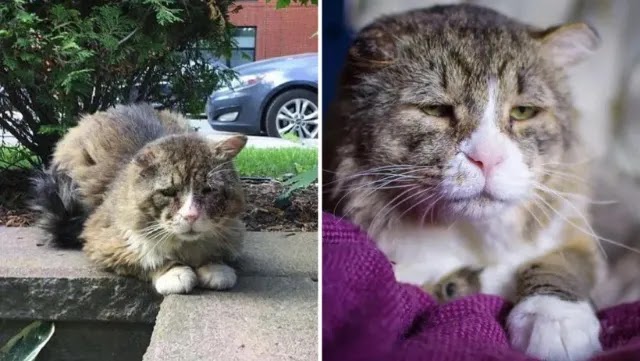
x: 62, y: 213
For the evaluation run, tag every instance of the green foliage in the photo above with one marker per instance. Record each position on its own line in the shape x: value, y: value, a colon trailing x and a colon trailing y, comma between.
x: 63, y: 58
x: 17, y: 157
x: 302, y: 180
x: 286, y: 3
x: 26, y: 345
x: 275, y: 162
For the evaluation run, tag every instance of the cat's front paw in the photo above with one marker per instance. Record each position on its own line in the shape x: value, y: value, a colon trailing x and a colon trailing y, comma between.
x: 551, y: 329
x: 216, y: 276
x: 179, y: 279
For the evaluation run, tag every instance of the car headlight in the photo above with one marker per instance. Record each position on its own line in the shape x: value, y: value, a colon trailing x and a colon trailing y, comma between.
x: 242, y: 82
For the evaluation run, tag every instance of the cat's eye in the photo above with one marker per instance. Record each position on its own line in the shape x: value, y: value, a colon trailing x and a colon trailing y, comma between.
x: 438, y: 111
x: 169, y: 192
x: 206, y: 190
x: 523, y: 112
x: 450, y: 289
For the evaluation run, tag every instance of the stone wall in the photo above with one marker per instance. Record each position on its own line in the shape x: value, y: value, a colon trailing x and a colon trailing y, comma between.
x: 270, y: 315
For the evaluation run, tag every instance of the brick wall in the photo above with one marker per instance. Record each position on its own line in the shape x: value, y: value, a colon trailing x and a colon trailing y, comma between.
x: 279, y: 32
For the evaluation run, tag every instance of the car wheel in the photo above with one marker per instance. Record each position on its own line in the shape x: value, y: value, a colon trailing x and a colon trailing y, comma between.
x: 293, y: 112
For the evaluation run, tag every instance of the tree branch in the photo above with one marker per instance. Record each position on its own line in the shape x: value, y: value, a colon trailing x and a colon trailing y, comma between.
x: 128, y: 36
x: 7, y: 124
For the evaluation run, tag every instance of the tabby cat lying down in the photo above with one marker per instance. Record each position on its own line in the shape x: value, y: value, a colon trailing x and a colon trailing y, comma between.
x: 453, y: 144
x: 146, y: 198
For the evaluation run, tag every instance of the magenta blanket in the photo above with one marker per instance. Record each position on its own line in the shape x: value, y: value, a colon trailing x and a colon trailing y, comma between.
x: 367, y: 315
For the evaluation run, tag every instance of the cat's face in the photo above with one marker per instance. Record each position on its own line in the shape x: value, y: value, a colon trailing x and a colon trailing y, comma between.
x: 479, y: 144
x: 186, y: 186
x: 460, y: 112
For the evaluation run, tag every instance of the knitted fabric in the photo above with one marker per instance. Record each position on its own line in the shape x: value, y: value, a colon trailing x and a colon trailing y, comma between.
x: 367, y: 315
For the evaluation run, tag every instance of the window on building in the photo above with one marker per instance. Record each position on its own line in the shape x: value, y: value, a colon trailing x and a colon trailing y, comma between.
x: 245, y: 52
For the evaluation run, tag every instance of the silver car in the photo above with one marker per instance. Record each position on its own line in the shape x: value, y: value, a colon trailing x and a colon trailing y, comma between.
x: 275, y: 96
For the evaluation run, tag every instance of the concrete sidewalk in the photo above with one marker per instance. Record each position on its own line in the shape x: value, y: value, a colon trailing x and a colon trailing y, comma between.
x: 270, y: 315
x: 263, y: 319
x: 205, y: 129
x: 254, y: 141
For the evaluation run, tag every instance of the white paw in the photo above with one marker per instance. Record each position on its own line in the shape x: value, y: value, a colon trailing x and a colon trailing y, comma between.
x: 180, y: 279
x: 551, y: 329
x: 216, y: 276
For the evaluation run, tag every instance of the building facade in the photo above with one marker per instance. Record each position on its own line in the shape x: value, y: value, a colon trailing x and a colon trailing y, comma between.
x: 263, y: 32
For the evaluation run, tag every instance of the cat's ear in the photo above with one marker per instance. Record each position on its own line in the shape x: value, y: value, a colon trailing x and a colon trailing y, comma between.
x: 229, y: 148
x: 145, y: 158
x: 570, y: 44
x: 373, y: 47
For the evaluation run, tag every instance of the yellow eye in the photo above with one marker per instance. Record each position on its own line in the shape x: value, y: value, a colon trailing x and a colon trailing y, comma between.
x: 438, y: 111
x: 523, y: 112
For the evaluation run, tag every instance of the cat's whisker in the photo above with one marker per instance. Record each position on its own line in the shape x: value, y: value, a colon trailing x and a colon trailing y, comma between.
x: 563, y: 175
x: 592, y: 234
x: 578, y: 196
x: 390, y: 167
x: 216, y: 232
x: 575, y: 208
x: 382, y: 213
x: 385, y: 181
x: 374, y: 220
x: 152, y: 227
x: 566, y: 179
x: 534, y: 216
x: 545, y: 211
x: 375, y: 171
x: 152, y: 233
x: 344, y: 196
x: 160, y: 232
x: 557, y: 194
x: 431, y: 207
x: 403, y: 171
x: 432, y: 210
x: 569, y: 164
x: 160, y: 239
x: 419, y: 202
x: 372, y: 174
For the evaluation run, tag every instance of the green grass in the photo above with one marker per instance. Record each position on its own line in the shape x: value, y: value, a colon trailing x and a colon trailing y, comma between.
x: 291, y: 136
x: 275, y: 162
x: 251, y: 162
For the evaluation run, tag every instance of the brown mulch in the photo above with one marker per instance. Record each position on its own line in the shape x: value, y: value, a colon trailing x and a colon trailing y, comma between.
x: 264, y: 212
x: 14, y: 187
x: 16, y: 217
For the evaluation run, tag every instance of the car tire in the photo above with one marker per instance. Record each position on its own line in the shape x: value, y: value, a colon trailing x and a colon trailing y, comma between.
x: 277, y: 117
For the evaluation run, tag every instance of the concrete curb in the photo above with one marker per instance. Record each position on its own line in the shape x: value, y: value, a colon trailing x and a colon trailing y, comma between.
x: 263, y: 318
x: 45, y: 283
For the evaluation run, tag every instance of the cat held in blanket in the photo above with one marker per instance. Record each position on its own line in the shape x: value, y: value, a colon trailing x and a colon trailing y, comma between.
x: 453, y: 143
x: 146, y: 198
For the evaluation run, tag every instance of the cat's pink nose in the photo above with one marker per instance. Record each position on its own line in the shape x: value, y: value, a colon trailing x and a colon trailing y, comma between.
x: 484, y: 159
x: 191, y: 215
